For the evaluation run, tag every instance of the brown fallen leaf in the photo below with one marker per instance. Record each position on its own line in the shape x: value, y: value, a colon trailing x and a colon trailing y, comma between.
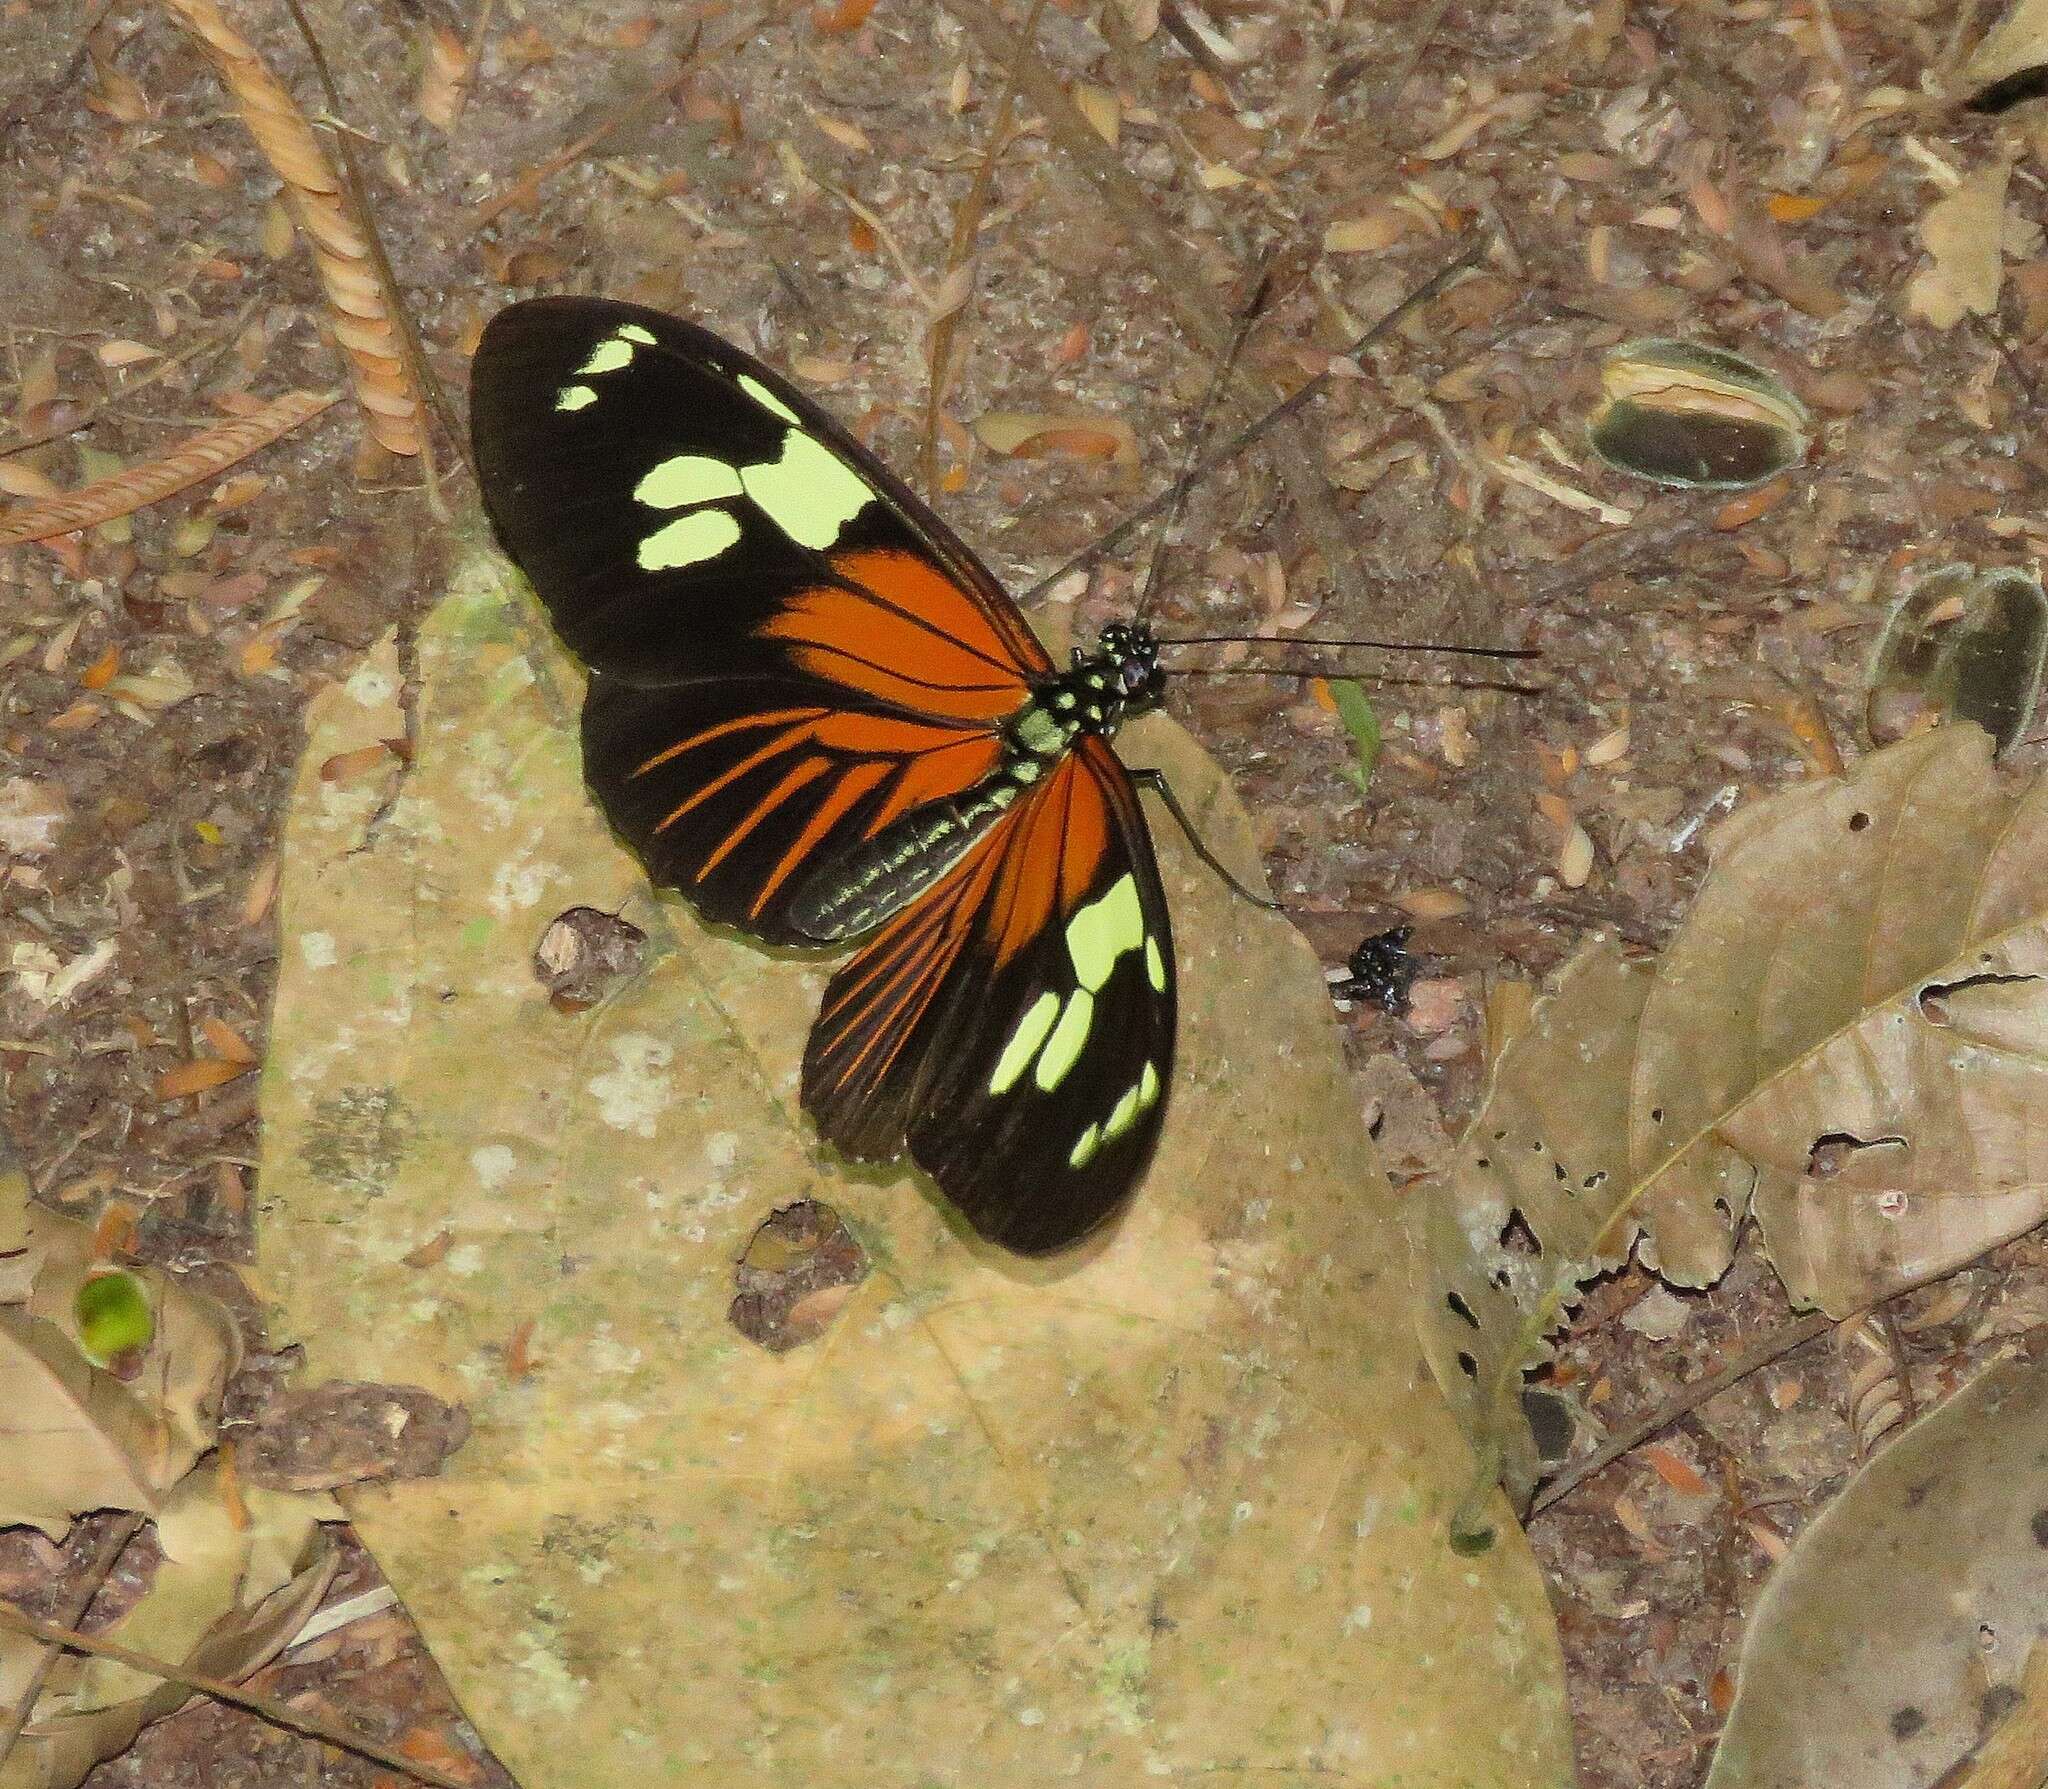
x: 184, y: 1079
x: 1165, y: 1426
x: 1843, y: 1040
x: 1903, y: 1623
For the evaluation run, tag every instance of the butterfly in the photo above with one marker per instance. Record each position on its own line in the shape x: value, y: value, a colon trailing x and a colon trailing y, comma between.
x: 815, y: 713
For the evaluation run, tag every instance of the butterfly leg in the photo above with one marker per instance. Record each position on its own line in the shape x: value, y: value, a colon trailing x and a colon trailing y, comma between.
x: 1155, y: 780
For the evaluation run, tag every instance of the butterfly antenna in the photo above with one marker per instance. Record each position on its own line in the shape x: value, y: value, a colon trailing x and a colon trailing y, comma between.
x: 1287, y: 407
x: 1197, y: 435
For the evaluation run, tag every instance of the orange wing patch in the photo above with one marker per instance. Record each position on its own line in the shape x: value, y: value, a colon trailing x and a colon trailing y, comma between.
x: 907, y: 635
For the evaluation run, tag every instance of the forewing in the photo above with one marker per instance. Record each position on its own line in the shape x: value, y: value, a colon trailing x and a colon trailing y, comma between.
x: 670, y: 498
x: 787, y: 650
x: 1014, y: 1027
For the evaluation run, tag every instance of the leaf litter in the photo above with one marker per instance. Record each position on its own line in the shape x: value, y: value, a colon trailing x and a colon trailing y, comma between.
x: 1805, y: 122
x: 125, y: 1418
x: 1870, y: 950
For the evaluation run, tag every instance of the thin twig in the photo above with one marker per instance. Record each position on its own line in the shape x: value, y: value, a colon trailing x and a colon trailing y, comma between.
x: 1279, y: 413
x: 965, y: 226
x: 279, y: 1714
x: 1420, y: 35
x: 526, y: 187
x: 1177, y: 272
x: 1773, y: 1347
x: 112, y: 1545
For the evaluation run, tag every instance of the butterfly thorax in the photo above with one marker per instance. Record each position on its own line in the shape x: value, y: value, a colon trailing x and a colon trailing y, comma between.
x: 1102, y: 689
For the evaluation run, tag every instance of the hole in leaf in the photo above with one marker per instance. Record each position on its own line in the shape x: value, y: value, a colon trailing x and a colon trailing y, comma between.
x: 1467, y: 1365
x: 1858, y: 821
x: 1833, y: 1152
x: 1933, y: 999
x: 1518, y: 1239
x: 1464, y: 1310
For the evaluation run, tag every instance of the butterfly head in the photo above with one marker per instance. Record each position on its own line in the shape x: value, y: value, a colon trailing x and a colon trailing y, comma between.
x: 1129, y: 653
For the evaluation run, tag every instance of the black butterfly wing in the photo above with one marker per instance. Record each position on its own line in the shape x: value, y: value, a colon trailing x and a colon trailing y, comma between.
x: 788, y: 650
x: 669, y: 496
x: 1013, y: 1029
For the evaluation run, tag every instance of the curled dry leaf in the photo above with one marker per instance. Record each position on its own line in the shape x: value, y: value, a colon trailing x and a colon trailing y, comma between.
x: 363, y: 324
x: 1963, y: 233
x: 198, y: 457
x: 967, y: 1504
x: 1074, y: 435
x: 1901, y: 1622
x: 1848, y: 1039
x: 72, y: 1436
x: 2018, y: 41
x: 242, y: 1569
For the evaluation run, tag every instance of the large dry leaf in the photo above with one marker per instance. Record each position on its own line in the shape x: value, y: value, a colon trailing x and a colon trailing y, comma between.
x: 236, y: 1582
x: 1897, y: 1629
x: 1850, y: 1036
x: 74, y: 1437
x: 999, y: 1522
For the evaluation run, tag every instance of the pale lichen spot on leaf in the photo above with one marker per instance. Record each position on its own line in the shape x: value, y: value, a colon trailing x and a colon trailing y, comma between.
x: 371, y: 685
x: 316, y: 949
x: 633, y: 1093
x: 493, y: 1164
x: 465, y: 1260
x: 548, y: 1683
x: 517, y: 886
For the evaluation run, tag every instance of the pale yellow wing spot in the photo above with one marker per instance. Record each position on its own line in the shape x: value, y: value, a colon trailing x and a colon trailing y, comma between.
x: 1103, y: 930
x: 810, y: 493
x: 687, y: 479
x: 1022, y: 1048
x: 1063, y: 1048
x: 575, y: 397
x: 689, y: 540
x: 767, y: 399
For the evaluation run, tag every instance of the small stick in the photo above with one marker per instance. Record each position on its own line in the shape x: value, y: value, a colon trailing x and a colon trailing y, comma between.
x: 1175, y: 270
x: 1280, y: 412
x: 965, y: 227
x: 1772, y: 1347
x: 103, y: 1562
x: 529, y: 183
x: 279, y: 1714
